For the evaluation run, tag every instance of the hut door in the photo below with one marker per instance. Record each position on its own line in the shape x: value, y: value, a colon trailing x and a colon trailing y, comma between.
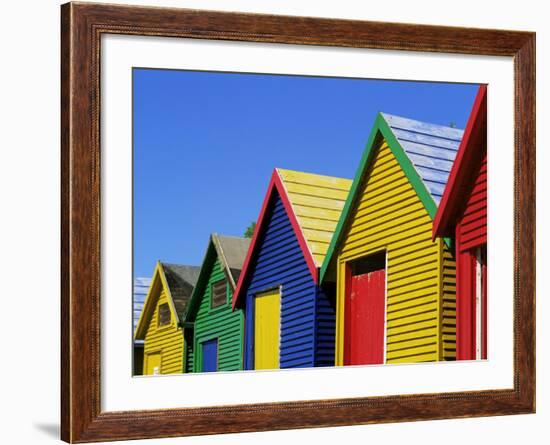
x: 210, y: 356
x: 366, y: 312
x: 152, y: 363
x: 267, y: 322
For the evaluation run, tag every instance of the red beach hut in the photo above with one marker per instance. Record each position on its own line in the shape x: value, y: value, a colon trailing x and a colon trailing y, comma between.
x: 462, y: 215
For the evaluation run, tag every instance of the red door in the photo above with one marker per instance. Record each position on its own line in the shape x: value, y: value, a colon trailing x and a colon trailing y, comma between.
x: 365, y: 318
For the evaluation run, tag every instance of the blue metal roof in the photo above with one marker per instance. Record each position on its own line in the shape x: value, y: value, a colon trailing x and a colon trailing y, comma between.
x: 431, y: 148
x: 141, y: 287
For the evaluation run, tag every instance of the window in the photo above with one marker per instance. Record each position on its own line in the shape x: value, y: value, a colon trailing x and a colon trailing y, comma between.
x: 219, y: 293
x: 164, y: 315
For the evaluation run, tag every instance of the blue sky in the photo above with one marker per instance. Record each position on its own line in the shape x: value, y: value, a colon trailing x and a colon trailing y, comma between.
x: 205, y: 145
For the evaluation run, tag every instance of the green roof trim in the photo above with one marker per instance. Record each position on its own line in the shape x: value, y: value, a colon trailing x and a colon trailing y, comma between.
x: 380, y: 129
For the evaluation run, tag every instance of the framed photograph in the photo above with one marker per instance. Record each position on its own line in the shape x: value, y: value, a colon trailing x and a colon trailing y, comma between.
x: 274, y: 222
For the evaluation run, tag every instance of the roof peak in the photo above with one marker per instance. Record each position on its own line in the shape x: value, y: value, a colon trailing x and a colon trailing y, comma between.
x: 424, y: 151
x: 467, y: 156
x: 231, y: 252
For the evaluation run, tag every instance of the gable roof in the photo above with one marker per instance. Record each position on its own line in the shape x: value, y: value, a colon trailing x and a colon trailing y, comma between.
x: 178, y: 282
x: 424, y: 151
x: 317, y: 201
x: 181, y: 281
x: 313, y: 204
x: 431, y: 149
x: 231, y: 251
x: 469, y: 155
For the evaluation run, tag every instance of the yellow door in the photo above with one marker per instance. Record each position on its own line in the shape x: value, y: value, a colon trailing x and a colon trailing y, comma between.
x: 267, y: 330
x: 152, y: 363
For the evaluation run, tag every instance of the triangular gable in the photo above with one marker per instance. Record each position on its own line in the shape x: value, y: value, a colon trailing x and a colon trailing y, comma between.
x: 158, y: 283
x: 275, y: 186
x: 421, y: 161
x: 230, y: 251
x: 468, y: 158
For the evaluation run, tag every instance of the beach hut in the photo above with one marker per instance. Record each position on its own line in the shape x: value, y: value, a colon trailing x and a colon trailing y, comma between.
x: 217, y: 331
x: 395, y: 286
x: 141, y: 287
x: 160, y: 322
x: 289, y: 318
x: 462, y: 215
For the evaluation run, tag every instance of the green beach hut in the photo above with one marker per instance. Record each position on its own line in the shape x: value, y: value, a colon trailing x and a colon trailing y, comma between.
x: 217, y: 330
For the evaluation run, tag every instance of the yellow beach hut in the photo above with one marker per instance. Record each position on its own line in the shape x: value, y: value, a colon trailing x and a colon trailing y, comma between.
x: 395, y: 286
x: 160, y: 325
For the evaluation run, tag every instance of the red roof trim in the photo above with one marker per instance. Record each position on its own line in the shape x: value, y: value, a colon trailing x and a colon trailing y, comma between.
x: 310, y: 261
x: 275, y: 185
x: 466, y: 158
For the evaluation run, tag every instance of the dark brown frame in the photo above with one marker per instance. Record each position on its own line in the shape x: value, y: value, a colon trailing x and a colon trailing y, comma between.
x: 81, y: 28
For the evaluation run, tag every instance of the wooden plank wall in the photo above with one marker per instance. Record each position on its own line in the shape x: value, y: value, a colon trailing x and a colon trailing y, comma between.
x: 473, y: 223
x: 189, y: 350
x: 166, y: 339
x: 325, y: 320
x: 222, y: 323
x: 279, y: 261
x: 471, y: 232
x: 390, y: 216
x: 448, y: 309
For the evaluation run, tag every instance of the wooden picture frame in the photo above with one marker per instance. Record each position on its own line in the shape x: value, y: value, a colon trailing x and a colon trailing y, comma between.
x: 82, y: 26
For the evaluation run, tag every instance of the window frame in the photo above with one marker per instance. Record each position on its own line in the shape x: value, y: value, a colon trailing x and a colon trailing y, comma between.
x: 159, y: 325
x: 212, y: 286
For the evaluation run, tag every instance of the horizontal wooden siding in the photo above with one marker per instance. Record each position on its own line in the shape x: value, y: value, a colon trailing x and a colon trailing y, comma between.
x: 473, y: 224
x: 166, y: 339
x: 189, y: 350
x: 279, y: 262
x: 325, y: 326
x: 448, y: 308
x: 221, y: 323
x: 390, y: 216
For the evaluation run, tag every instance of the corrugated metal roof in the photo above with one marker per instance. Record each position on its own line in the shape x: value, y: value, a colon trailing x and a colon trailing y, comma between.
x: 317, y: 202
x: 141, y: 287
x: 431, y: 148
